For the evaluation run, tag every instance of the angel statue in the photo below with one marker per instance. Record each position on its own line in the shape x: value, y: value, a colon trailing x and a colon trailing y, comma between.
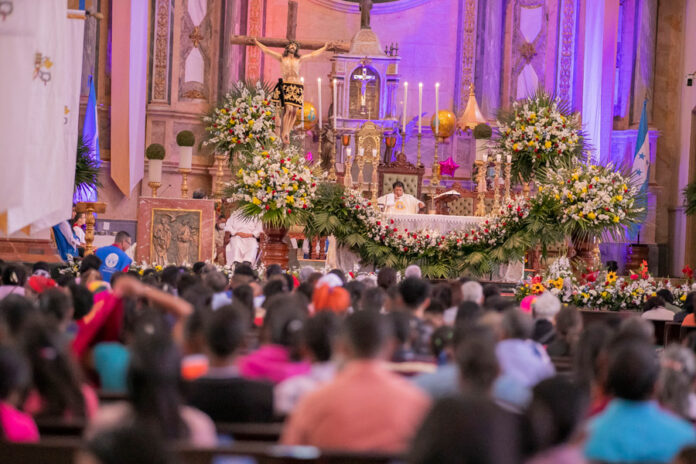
x: 288, y: 94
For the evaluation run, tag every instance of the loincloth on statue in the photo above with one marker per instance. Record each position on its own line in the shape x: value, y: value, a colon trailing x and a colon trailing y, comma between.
x: 287, y: 93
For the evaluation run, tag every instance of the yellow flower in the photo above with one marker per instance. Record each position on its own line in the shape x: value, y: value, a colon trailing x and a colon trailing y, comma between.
x: 240, y: 172
x: 523, y: 127
x: 223, y: 111
x: 290, y: 199
x: 581, y: 214
x: 541, y: 188
x: 586, y: 296
x: 558, y: 283
x: 616, y: 219
x: 547, y: 144
x: 618, y: 197
x: 285, y: 170
x: 530, y: 143
x: 558, y: 197
x: 251, y: 122
x: 234, y: 139
x: 515, y: 146
x: 683, y: 297
x: 158, y: 268
x: 591, y: 215
x: 272, y: 138
x: 256, y: 201
x: 269, y: 189
x: 604, y: 294
x: 257, y: 183
x: 538, y: 288
x: 611, y: 277
x: 584, y: 190
x: 141, y: 272
x: 294, y: 186
x: 575, y: 177
x: 654, y: 294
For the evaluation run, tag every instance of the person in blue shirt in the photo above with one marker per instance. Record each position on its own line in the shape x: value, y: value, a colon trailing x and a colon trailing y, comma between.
x: 633, y: 427
x: 114, y: 257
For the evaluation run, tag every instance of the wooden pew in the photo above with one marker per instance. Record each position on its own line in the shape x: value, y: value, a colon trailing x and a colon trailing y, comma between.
x: 48, y: 451
x: 672, y: 333
x: 59, y: 427
x: 251, y: 431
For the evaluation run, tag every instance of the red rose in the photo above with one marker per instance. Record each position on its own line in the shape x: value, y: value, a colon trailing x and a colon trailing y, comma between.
x: 634, y: 276
x: 589, y: 187
x: 289, y: 211
x: 304, y: 206
x: 399, y: 237
x: 379, y: 223
x: 267, y: 207
x: 357, y: 206
x: 427, y: 236
x: 405, y: 248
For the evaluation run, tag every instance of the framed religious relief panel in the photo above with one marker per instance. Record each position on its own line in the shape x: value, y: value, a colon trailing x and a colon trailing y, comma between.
x: 175, y: 231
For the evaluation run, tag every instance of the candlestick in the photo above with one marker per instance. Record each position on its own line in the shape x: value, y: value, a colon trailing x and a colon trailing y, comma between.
x: 361, y: 165
x: 332, y: 168
x: 319, y: 102
x: 496, y: 182
x: 375, y: 165
x: 481, y: 181
x: 348, y: 176
x: 437, y: 109
x: 184, y: 182
x: 418, y: 160
x: 335, y: 102
x: 220, y: 159
x: 405, y: 105
x: 403, y: 140
x: 435, y: 179
x: 508, y: 169
x: 420, y: 108
x: 154, y: 186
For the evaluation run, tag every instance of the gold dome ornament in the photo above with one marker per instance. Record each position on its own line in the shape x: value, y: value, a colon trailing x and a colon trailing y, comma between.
x: 472, y: 115
x: 308, y: 116
x: 447, y: 123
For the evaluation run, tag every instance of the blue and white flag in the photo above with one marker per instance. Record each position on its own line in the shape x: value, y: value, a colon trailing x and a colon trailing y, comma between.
x: 90, y: 137
x: 641, y: 160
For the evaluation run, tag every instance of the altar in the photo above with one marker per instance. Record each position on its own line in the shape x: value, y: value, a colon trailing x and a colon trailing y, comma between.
x: 440, y: 223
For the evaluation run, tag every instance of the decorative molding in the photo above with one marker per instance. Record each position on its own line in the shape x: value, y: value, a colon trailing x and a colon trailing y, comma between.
x: 377, y: 8
x: 468, y: 50
x: 160, y: 63
x: 566, y: 61
x: 196, y: 36
x: 254, y: 29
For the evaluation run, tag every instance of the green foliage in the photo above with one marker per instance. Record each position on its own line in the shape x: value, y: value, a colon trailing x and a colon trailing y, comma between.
x: 690, y: 198
x: 483, y: 131
x: 86, y: 169
x: 185, y: 139
x: 155, y: 152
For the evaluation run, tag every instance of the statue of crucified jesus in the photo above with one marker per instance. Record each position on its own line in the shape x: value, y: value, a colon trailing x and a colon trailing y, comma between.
x: 289, y: 92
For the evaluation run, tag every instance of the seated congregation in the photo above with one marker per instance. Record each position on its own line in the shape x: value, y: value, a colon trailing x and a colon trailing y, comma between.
x: 186, y: 365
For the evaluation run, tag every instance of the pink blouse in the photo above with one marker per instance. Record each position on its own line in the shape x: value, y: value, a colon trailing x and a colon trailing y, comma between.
x: 16, y: 425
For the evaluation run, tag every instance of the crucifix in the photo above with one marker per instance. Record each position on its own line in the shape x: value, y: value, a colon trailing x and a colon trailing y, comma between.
x: 364, y: 78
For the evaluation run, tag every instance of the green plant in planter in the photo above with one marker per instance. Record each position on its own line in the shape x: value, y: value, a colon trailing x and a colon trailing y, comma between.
x: 185, y: 139
x: 483, y: 131
x: 690, y: 198
x: 154, y: 151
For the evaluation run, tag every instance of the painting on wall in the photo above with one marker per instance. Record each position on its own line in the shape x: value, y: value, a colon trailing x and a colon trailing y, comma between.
x: 175, y: 231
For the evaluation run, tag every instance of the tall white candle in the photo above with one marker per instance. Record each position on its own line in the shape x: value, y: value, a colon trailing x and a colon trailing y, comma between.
x: 335, y: 102
x: 319, y: 100
x: 437, y: 108
x: 348, y: 152
x: 420, y: 105
x: 509, y: 159
x: 405, y: 105
x: 498, y: 158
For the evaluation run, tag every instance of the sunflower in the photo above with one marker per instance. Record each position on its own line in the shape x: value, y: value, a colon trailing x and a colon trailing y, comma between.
x: 538, y: 288
x: 611, y: 277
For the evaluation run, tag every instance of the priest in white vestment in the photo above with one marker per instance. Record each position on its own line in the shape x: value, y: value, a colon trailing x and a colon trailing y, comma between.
x: 399, y: 202
x: 243, y: 232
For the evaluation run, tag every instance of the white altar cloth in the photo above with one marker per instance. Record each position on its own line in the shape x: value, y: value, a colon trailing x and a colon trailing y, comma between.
x: 438, y: 222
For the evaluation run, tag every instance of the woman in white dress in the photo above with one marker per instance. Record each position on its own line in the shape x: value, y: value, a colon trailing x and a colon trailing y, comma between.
x: 77, y: 228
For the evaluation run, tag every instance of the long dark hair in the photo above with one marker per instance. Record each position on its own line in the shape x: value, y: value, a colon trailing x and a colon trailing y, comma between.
x: 56, y: 376
x: 284, y: 323
x: 297, y: 49
x: 153, y: 384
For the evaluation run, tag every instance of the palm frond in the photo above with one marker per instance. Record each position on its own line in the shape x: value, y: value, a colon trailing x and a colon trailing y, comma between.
x: 86, y: 169
x: 690, y: 198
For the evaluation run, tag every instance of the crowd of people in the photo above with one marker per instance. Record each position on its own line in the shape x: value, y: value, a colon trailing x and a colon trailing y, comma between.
x: 435, y: 372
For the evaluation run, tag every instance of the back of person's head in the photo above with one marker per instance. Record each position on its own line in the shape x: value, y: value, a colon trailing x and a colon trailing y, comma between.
x: 666, y: 295
x: 273, y: 269
x: 356, y: 289
x: 320, y: 334
x: 676, y: 380
x: 476, y: 359
x: 569, y: 325
x: 413, y: 271
x: 653, y: 302
x: 122, y: 237
x: 198, y: 267
x: 468, y: 312
x: 284, y: 321
x: 637, y: 327
x: 15, y: 310
x: 386, y: 277
x: 400, y: 323
x: 82, y: 300
x: 435, y: 309
x: 460, y: 429
x: 546, y: 306
x: 89, y: 263
x: 593, y: 343
x: 274, y: 287
x: 687, y: 455
x: 516, y: 324
x: 442, y: 292
x: 341, y: 275
x: 170, y: 276
x: 499, y: 304
x: 414, y: 292
x: 57, y: 306
x: 633, y: 369
x: 14, y: 373
x: 305, y: 273
x: 307, y: 289
x: 217, y: 281
x: 153, y: 384
x: 472, y: 291
x: 41, y: 268
x: 186, y: 281
x: 490, y: 290
x: 366, y: 334
x: 55, y: 375
x: 326, y: 298
x: 557, y: 408
x: 689, y: 302
x: 225, y: 330
x: 132, y: 444
x: 244, y: 295
x: 15, y: 274
x: 441, y: 341
x: 373, y: 299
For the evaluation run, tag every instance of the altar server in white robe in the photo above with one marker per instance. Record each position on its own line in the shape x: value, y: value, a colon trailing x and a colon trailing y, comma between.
x: 399, y: 202
x: 243, y: 232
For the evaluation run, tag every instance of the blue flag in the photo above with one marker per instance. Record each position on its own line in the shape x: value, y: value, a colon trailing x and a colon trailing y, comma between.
x: 641, y: 159
x: 90, y: 137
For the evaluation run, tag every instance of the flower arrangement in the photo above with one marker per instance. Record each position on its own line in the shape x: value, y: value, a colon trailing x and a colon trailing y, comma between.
x: 539, y: 131
x: 275, y: 185
x: 589, y: 200
x: 245, y: 121
x: 558, y: 279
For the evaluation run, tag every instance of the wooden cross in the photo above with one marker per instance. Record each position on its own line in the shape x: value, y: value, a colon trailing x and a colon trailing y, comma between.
x: 290, y: 35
